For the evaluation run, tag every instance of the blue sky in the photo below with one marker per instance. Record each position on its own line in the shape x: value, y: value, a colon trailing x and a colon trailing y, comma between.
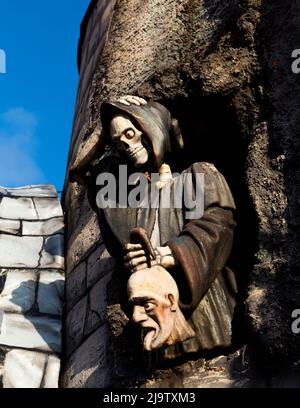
x: 38, y: 91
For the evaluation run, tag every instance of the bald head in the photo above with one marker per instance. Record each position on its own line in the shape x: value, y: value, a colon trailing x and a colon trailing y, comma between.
x: 155, y: 282
x: 154, y: 296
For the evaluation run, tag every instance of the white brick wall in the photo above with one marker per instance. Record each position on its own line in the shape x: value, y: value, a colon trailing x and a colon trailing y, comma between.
x: 31, y: 286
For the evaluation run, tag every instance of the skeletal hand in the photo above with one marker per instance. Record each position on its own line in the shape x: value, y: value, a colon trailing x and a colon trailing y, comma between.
x: 131, y: 99
x: 135, y: 257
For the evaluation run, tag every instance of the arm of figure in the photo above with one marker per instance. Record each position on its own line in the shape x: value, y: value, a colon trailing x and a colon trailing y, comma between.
x: 203, y: 246
x: 202, y: 249
x: 135, y: 258
x: 93, y: 147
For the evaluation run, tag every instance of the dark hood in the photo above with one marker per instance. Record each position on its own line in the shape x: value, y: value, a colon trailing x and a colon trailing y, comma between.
x: 153, y: 119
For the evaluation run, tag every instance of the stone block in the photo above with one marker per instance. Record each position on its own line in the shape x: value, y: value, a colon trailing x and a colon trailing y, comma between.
x: 51, y: 375
x: 51, y: 292
x: 47, y: 208
x: 12, y: 227
x: 18, y: 252
x: 74, y: 326
x: 53, y: 252
x: 99, y: 264
x: 24, y: 369
x: 85, y: 235
x: 48, y: 227
x: 88, y: 366
x: 97, y: 304
x: 75, y: 285
x: 31, y: 332
x: 18, y: 294
x: 17, y: 209
x: 38, y: 190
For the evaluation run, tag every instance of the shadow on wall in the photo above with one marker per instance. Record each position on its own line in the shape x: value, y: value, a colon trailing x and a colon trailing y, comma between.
x: 53, y: 246
x: 211, y: 134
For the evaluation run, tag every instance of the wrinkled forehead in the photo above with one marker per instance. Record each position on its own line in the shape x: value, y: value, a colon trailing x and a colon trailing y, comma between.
x: 119, y: 123
x: 144, y: 290
x: 156, y: 282
x: 138, y: 297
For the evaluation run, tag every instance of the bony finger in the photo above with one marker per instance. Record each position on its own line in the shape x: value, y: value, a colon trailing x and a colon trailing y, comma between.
x: 132, y: 247
x: 129, y: 265
x: 132, y: 98
x: 135, y: 254
x: 142, y: 101
x: 140, y: 267
x: 124, y: 102
x: 137, y: 261
x: 127, y: 257
x: 126, y: 98
x: 134, y: 101
x: 154, y: 262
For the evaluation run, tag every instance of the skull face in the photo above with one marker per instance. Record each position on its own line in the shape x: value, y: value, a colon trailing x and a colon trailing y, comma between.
x: 128, y: 140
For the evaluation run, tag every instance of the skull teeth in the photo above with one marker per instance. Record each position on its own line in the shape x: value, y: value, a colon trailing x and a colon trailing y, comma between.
x: 136, y: 150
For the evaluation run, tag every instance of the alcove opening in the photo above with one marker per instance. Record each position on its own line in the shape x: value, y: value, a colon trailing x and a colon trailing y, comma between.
x: 211, y: 133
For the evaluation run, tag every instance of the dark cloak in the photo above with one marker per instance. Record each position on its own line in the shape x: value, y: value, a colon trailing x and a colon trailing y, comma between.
x: 201, y: 246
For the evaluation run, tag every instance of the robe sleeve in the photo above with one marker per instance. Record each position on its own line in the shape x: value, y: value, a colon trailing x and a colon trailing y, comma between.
x: 204, y: 245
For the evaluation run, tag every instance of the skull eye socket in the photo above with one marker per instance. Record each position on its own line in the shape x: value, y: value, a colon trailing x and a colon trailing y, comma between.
x: 129, y: 133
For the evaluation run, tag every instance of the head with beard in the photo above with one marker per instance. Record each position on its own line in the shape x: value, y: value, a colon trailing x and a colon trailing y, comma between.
x: 154, y: 296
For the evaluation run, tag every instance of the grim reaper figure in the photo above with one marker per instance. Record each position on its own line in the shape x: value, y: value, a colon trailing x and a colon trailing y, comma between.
x: 194, y: 252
